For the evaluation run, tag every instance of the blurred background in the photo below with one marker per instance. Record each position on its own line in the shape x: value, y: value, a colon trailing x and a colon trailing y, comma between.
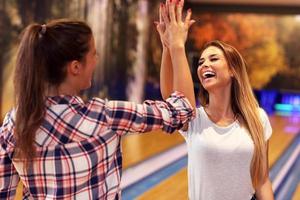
x: 266, y: 32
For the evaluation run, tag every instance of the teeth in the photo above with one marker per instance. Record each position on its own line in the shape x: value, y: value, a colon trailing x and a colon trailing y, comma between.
x: 208, y: 74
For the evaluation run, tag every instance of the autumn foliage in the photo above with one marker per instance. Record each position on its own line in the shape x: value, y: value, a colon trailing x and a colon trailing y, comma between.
x: 255, y: 36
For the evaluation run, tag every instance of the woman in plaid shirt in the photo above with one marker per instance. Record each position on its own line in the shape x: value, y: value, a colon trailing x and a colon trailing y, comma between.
x: 59, y: 146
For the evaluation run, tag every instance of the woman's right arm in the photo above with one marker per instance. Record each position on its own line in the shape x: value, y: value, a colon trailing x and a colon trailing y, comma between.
x: 170, y: 115
x: 175, y: 73
x: 166, y: 74
x: 265, y: 191
x: 124, y: 116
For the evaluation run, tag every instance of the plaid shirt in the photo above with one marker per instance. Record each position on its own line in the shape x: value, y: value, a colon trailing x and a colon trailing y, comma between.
x: 78, y: 149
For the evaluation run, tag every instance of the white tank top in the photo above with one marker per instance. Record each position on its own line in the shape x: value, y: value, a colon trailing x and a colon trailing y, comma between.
x: 219, y: 158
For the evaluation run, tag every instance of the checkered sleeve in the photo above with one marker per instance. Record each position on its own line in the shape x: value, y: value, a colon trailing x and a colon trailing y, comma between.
x: 8, y: 175
x: 169, y: 115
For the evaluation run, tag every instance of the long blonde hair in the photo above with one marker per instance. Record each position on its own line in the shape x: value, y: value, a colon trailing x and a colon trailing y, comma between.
x: 244, y: 104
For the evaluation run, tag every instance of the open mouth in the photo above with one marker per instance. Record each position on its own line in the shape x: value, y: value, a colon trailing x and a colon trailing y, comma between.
x: 208, y: 74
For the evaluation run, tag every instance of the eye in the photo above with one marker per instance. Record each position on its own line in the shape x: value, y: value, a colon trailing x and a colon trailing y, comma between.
x: 200, y: 63
x: 214, y: 59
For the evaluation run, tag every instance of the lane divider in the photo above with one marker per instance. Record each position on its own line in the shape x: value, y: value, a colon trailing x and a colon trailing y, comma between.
x: 287, y: 166
x: 290, y: 183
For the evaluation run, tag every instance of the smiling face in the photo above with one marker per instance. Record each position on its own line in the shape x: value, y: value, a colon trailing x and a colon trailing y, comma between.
x: 213, y: 70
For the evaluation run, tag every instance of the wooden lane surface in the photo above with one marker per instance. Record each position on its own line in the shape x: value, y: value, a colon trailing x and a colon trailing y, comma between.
x: 284, y: 131
x: 175, y: 187
x: 297, y: 193
x: 137, y: 148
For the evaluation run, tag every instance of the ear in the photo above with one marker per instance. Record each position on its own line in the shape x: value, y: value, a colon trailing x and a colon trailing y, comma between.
x: 74, y: 68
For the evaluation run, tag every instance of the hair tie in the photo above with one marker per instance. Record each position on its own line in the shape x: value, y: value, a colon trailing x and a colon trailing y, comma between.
x: 44, y: 28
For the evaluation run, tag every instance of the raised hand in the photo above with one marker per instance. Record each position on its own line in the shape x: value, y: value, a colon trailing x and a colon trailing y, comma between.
x: 161, y: 28
x: 173, y: 34
x: 176, y: 29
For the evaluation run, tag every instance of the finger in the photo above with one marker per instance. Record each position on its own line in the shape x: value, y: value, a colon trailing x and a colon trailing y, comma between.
x: 156, y: 24
x: 188, y: 17
x: 165, y: 15
x: 191, y: 22
x: 171, y: 8
x: 181, y: 2
x: 179, y: 7
x: 160, y: 13
x: 167, y: 6
x: 159, y: 28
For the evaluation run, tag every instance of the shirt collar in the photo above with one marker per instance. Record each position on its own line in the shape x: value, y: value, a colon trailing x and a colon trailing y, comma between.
x: 63, y: 99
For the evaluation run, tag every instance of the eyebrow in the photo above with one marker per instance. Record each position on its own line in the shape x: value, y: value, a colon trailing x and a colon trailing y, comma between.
x: 202, y: 59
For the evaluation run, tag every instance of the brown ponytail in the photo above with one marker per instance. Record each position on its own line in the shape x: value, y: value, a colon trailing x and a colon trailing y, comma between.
x: 29, y: 87
x: 42, y: 56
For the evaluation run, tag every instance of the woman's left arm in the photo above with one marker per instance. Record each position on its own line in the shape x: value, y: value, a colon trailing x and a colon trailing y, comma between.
x: 265, y: 191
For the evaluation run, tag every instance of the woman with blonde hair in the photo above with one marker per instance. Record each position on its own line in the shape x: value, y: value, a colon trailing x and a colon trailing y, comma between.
x: 227, y: 142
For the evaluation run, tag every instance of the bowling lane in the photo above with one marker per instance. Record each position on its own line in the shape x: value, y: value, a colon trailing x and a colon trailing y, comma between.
x: 137, y: 148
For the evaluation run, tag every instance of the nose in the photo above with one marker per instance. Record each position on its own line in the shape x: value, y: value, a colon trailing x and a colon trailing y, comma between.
x: 205, y: 64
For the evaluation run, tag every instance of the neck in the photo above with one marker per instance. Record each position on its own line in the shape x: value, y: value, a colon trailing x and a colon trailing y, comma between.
x: 220, y: 103
x: 62, y: 89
